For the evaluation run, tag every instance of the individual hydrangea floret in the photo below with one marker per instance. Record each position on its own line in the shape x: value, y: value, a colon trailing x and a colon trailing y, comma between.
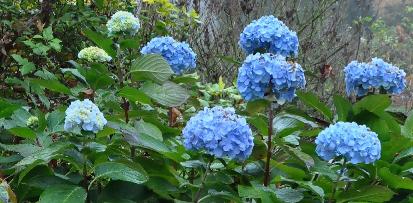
x: 269, y: 35
x: 84, y: 115
x: 220, y: 132
x: 179, y: 55
x: 94, y: 54
x: 356, y: 143
x: 361, y: 78
x: 123, y: 22
x: 263, y: 73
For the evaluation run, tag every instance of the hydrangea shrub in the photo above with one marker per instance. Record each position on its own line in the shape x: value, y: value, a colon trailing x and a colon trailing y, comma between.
x: 361, y: 78
x: 84, y: 115
x: 123, y: 22
x: 94, y: 54
x: 264, y: 73
x: 179, y: 55
x: 356, y: 143
x: 219, y: 132
x: 270, y: 35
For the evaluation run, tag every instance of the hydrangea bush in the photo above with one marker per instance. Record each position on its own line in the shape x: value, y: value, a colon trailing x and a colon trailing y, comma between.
x: 356, y: 143
x: 179, y: 55
x: 220, y: 132
x: 361, y: 78
x: 84, y: 115
x: 94, y: 54
x: 269, y: 35
x: 261, y: 74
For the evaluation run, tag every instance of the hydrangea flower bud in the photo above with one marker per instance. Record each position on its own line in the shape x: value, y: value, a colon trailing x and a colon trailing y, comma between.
x: 32, y: 121
x: 270, y: 35
x: 84, y: 115
x: 220, y: 132
x: 360, y: 78
x: 123, y: 22
x: 356, y: 143
x: 263, y: 73
x: 94, y: 54
x: 179, y: 55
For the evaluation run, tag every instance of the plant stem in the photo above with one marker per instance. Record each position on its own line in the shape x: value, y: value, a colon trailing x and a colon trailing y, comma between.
x: 343, y: 167
x: 269, y: 147
x: 198, y: 194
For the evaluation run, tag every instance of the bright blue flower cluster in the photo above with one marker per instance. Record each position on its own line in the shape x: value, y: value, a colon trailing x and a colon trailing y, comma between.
x: 268, y: 34
x: 362, y: 77
x: 85, y: 115
x: 357, y: 143
x: 179, y: 55
x: 261, y: 73
x: 123, y: 22
x: 220, y: 132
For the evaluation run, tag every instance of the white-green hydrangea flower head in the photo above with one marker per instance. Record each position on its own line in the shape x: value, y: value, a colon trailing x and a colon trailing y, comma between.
x: 32, y: 121
x: 94, y: 54
x: 123, y: 22
x: 84, y: 115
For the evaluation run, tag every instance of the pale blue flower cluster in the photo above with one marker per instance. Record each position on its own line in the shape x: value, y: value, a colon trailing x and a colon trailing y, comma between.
x: 84, y: 115
x: 269, y: 35
x: 356, y: 143
x: 360, y: 78
x: 179, y: 55
x: 123, y: 22
x: 263, y: 73
x: 220, y: 132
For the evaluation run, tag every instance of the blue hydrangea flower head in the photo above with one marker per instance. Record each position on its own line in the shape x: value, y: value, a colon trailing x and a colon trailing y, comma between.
x: 123, y: 22
x: 356, y: 143
x: 270, y: 35
x: 179, y: 55
x: 94, y: 54
x: 262, y: 73
x: 84, y: 115
x: 361, y: 78
x: 219, y: 132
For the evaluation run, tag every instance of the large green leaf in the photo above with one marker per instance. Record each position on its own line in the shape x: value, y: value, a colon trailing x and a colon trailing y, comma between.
x: 149, y: 129
x: 372, y: 193
x: 151, y: 66
x: 26, y: 65
x: 256, y: 106
x: 264, y: 193
x: 120, y: 171
x: 289, y: 195
x: 343, y: 107
x: 23, y: 149
x: 395, y: 181
x: 23, y: 132
x: 97, y: 77
x: 169, y: 94
x: 406, y: 153
x: 102, y: 41
x: 52, y: 85
x: 407, y: 128
x: 373, y: 103
x: 6, y: 108
x: 63, y: 194
x: 134, y: 95
x: 44, y: 155
x: 311, y: 100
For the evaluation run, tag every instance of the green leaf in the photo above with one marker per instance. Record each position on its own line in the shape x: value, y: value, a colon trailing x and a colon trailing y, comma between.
x: 134, y: 95
x: 63, y: 194
x: 407, y: 128
x: 343, y: 107
x: 55, y: 121
x: 48, y: 33
x: 26, y: 65
x: 23, y: 132
x: 97, y: 77
x: 129, y: 44
x: 264, y: 193
x: 406, y: 153
x: 373, y: 103
x: 151, y: 66
x: 289, y: 195
x: 259, y: 123
x: 106, y: 131
x: 149, y: 129
x: 102, y: 41
x: 395, y: 181
x: 372, y: 193
x: 6, y: 108
x: 298, y: 154
x: 169, y: 94
x: 44, y: 155
x: 75, y: 72
x: 256, y: 106
x: 23, y: 149
x: 313, y: 101
x: 119, y: 171
x: 53, y: 85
